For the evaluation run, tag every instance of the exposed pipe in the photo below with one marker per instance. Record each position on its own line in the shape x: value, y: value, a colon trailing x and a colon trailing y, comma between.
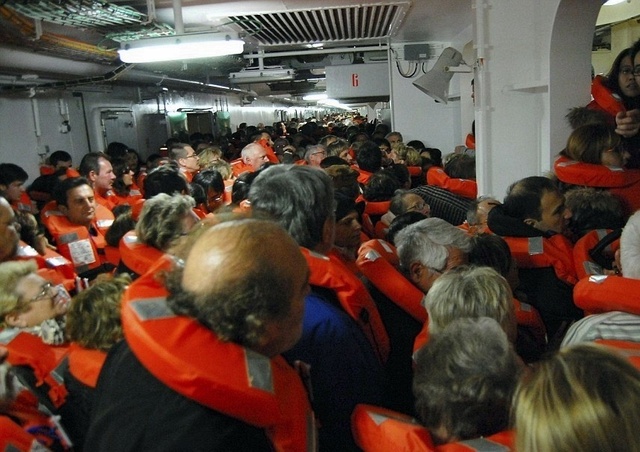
x: 263, y: 54
x: 178, y: 23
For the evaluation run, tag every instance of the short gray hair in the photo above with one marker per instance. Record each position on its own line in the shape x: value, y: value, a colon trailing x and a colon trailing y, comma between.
x: 465, y: 378
x: 426, y: 242
x: 300, y: 198
x: 469, y: 291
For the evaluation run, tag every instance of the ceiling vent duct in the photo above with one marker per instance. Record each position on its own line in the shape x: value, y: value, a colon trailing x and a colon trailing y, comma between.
x: 343, y: 24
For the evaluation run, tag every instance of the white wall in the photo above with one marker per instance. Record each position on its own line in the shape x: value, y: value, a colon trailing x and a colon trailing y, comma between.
x: 21, y: 144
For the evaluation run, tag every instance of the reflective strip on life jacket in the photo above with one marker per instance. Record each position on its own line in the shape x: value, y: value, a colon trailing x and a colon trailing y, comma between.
x: 377, y: 429
x: 541, y: 252
x: 601, y: 293
x: 233, y: 380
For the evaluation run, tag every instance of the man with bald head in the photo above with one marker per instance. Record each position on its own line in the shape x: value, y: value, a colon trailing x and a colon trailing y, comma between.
x: 205, y: 346
x: 252, y: 157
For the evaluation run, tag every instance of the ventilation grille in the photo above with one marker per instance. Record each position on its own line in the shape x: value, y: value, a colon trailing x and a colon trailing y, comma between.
x: 352, y: 23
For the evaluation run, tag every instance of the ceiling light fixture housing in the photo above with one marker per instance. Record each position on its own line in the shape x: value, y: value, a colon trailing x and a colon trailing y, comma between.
x: 180, y: 47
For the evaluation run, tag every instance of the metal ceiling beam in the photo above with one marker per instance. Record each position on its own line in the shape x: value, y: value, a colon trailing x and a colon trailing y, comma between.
x: 293, y: 53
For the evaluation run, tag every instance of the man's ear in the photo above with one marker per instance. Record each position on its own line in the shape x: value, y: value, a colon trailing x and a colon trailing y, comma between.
x: 415, y: 271
x: 531, y: 222
x: 329, y: 232
x: 63, y: 209
x: 92, y: 176
x: 15, y: 320
x: 3, y: 187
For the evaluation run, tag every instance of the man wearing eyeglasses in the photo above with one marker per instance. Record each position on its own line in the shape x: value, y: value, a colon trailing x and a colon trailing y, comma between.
x: 314, y: 154
x: 186, y: 158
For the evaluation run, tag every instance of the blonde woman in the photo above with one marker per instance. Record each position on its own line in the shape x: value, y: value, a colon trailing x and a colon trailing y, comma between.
x: 584, y: 398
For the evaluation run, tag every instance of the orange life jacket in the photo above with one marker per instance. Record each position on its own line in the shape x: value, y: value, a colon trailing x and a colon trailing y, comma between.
x: 624, y: 183
x: 138, y: 257
x: 541, y: 252
x: 470, y: 141
x: 328, y: 272
x: 74, y: 242
x: 47, y: 362
x: 467, y: 188
x: 266, y: 393
x: 377, y: 429
x: 238, y: 167
x: 628, y: 349
x: 377, y: 261
x: 108, y: 201
x: 24, y: 204
x: 85, y: 364
x: 414, y: 171
x: 604, y: 99
x: 373, y: 209
x: 600, y: 293
x: 52, y: 266
x: 583, y: 262
x: 134, y: 194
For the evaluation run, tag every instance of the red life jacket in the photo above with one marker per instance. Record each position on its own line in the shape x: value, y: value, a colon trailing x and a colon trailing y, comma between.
x: 467, y: 188
x: 377, y: 261
x: 584, y: 264
x: 527, y: 316
x: 414, y: 171
x: 373, y: 209
x: 85, y: 364
x: 24, y: 428
x: 74, y: 242
x: 47, y: 362
x: 541, y: 252
x: 328, y: 272
x: 138, y: 257
x: 624, y: 183
x: 52, y: 266
x: 604, y: 99
x: 363, y: 176
x: 377, y: 429
x: 266, y: 393
x: 600, y: 293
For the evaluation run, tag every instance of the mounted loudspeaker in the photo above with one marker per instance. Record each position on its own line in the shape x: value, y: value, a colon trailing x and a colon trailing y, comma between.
x: 435, y: 82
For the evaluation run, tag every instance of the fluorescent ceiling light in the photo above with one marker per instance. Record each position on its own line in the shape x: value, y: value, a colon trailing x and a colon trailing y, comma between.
x: 315, y: 96
x: 264, y: 75
x: 180, y: 47
x: 614, y: 2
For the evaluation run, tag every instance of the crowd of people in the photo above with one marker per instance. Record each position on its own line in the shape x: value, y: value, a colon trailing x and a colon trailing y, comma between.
x: 315, y: 284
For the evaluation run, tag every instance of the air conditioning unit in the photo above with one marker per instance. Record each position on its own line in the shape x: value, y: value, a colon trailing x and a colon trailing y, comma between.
x: 262, y: 75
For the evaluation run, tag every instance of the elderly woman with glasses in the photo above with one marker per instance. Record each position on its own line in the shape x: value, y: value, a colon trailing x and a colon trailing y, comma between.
x: 31, y: 303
